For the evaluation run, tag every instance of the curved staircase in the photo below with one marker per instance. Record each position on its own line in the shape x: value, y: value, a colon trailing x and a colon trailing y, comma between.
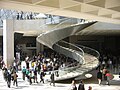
x: 86, y: 58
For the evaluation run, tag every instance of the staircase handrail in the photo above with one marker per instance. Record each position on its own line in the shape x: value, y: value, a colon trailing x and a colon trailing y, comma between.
x: 90, y: 49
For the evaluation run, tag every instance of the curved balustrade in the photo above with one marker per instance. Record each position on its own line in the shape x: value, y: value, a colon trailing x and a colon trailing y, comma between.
x: 89, y: 51
x: 90, y: 55
x: 69, y: 52
x: 74, y: 51
x: 52, y: 36
x: 52, y: 40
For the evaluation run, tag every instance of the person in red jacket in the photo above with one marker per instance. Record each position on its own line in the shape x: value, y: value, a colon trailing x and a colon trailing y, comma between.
x: 108, y: 78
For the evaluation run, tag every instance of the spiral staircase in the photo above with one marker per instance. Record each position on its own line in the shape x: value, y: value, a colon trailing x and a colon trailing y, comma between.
x: 87, y: 58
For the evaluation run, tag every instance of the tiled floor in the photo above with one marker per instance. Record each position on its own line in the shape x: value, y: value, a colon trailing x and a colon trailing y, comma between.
x: 24, y: 85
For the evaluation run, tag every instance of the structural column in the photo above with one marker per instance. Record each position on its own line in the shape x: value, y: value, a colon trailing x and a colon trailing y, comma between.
x: 8, y: 42
x: 37, y: 47
x: 40, y: 47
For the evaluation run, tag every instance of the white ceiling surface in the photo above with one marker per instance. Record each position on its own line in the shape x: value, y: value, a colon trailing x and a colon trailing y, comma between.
x: 99, y: 10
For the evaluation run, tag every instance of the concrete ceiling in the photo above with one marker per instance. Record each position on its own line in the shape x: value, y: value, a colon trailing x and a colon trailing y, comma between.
x: 99, y: 10
x: 101, y: 28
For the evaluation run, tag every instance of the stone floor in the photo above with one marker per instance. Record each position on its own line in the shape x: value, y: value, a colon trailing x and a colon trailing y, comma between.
x: 24, y: 85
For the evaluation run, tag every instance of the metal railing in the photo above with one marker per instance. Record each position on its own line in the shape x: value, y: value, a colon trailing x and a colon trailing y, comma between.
x: 93, y: 61
x: 81, y: 68
x: 89, y: 50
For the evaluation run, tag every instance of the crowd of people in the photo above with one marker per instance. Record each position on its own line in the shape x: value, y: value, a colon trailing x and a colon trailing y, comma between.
x: 10, y: 75
x: 110, y: 61
x: 22, y: 15
x: 45, y: 63
x: 109, y: 64
x: 104, y: 75
x: 32, y: 16
x: 41, y: 65
x: 81, y: 86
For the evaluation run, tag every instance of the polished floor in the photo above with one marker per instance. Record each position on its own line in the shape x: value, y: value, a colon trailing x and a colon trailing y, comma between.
x: 24, y: 85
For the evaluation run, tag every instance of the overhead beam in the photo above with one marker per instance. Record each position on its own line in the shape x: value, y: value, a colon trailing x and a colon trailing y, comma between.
x: 25, y: 7
x: 116, y: 15
x: 89, y: 8
x: 107, y: 15
x: 99, y: 3
x: 76, y: 8
x: 67, y: 3
x: 105, y: 12
x: 50, y: 3
x: 88, y: 1
x: 79, y: 0
x: 112, y: 3
x: 36, y: 1
x: 93, y: 12
x: 23, y: 1
x: 117, y: 8
x: 74, y: 14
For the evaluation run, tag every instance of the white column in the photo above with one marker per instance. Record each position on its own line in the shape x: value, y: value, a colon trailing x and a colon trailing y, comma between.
x: 8, y: 42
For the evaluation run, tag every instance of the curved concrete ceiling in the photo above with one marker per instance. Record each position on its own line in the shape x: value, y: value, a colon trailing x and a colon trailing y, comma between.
x: 98, y: 10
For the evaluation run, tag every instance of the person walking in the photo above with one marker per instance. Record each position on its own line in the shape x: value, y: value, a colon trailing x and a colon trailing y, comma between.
x: 23, y: 73
x: 15, y: 78
x: 108, y: 78
x: 27, y: 74
x: 42, y: 74
x: 18, y: 16
x: 81, y: 86
x: 52, y: 77
x: 104, y: 71
x: 30, y: 77
x: 9, y: 79
x: 5, y: 71
x: 73, y: 85
x: 99, y: 77
x: 35, y: 75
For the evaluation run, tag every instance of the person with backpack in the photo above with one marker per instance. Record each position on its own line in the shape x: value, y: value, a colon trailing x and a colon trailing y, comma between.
x: 23, y: 72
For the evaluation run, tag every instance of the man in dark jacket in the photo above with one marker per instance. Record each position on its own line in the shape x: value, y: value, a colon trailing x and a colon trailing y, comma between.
x: 81, y: 86
x: 52, y: 77
x: 9, y: 79
x: 42, y: 74
x: 99, y: 76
